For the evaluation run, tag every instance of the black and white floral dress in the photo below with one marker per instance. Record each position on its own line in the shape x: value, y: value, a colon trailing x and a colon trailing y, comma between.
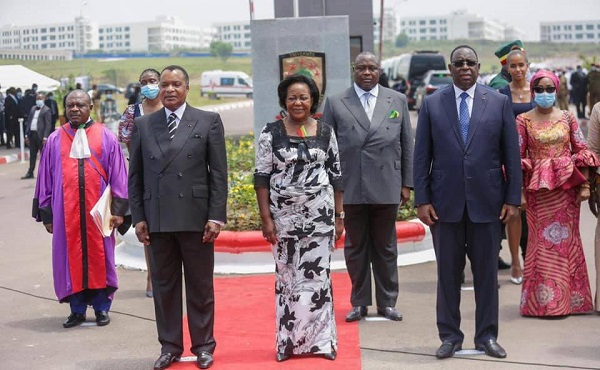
x: 301, y: 174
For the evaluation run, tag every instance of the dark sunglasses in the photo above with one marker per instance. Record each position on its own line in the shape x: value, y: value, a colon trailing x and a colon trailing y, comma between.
x: 541, y: 89
x: 460, y: 63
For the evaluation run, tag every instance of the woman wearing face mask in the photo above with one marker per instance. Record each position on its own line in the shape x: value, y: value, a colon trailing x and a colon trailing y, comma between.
x: 150, y: 104
x: 521, y: 100
x: 556, y: 167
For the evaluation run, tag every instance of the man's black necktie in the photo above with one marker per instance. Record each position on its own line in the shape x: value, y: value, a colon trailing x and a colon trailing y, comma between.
x: 171, y: 125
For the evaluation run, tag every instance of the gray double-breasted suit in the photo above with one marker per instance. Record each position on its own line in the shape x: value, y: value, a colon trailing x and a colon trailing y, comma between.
x: 376, y: 162
x: 176, y: 186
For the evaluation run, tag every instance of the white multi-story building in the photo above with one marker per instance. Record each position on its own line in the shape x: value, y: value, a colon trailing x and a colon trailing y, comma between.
x: 163, y: 34
x: 458, y: 25
x: 235, y: 33
x: 83, y: 35
x: 570, y: 31
x: 80, y: 36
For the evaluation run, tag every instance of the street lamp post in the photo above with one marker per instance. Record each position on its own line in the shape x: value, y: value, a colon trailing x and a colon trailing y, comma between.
x: 381, y: 30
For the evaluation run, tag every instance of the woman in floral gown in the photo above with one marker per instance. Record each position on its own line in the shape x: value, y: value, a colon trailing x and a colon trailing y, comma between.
x: 298, y: 185
x: 556, y: 166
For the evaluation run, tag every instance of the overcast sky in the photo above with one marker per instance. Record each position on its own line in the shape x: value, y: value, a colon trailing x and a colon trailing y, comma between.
x: 524, y: 14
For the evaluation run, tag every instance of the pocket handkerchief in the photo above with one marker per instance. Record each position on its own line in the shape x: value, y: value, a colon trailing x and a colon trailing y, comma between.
x: 394, y: 114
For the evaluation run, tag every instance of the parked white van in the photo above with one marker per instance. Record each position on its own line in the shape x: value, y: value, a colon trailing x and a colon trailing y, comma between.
x: 216, y: 84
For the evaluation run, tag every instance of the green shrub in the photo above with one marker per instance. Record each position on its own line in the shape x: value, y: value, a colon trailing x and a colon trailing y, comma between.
x: 242, y: 209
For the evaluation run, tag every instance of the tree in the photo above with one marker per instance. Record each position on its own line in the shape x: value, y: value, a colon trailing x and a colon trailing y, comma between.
x: 221, y: 50
x: 401, y: 40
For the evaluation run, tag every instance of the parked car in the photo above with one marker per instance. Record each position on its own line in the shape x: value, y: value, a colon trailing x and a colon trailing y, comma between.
x: 412, y: 67
x: 103, y: 87
x: 432, y: 81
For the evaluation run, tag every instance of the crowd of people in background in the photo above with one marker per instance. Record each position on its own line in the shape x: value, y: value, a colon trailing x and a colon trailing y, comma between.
x: 524, y: 177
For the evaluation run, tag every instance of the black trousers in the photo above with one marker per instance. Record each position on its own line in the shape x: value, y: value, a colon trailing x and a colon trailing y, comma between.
x: 168, y: 252
x: 371, y: 245
x: 35, y: 145
x: 452, y: 241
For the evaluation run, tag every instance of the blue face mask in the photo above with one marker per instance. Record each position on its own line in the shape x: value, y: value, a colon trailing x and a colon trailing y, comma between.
x: 39, y: 103
x: 545, y: 100
x: 150, y: 91
x: 19, y: 95
x: 108, y: 96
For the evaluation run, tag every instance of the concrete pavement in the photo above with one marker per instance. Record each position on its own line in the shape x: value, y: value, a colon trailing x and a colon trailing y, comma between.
x: 32, y: 335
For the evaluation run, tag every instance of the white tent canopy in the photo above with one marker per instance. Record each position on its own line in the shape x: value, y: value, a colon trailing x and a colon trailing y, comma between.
x: 19, y: 76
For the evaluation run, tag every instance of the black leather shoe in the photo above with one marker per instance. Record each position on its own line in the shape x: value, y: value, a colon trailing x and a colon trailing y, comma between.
x: 74, y: 319
x: 282, y: 357
x: 492, y: 349
x: 27, y: 176
x: 502, y: 265
x: 205, y: 360
x: 447, y: 349
x: 390, y: 313
x: 165, y: 360
x: 330, y: 356
x: 102, y: 318
x: 356, y: 313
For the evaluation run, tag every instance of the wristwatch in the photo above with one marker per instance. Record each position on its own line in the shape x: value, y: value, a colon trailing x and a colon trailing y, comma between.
x: 340, y: 215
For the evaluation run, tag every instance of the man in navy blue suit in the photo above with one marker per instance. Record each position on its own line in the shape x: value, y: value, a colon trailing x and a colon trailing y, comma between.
x: 466, y: 135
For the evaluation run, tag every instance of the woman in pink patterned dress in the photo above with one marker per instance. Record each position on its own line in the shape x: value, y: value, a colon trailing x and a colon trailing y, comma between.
x: 556, y: 166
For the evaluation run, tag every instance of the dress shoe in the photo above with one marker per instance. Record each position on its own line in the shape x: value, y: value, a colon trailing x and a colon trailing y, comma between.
x: 516, y: 280
x: 149, y: 294
x: 165, y: 360
x: 27, y: 176
x: 492, y: 348
x: 282, y: 357
x: 330, y: 356
x: 390, y: 313
x: 356, y: 313
x: 74, y: 319
x: 102, y: 318
x: 447, y: 349
x: 502, y: 265
x: 205, y: 360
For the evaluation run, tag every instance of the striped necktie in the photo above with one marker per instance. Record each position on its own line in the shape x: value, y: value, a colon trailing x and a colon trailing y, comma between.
x: 463, y: 116
x: 172, y: 125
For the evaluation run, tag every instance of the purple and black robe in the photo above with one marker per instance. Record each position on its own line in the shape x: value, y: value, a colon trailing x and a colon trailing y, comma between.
x: 66, y: 190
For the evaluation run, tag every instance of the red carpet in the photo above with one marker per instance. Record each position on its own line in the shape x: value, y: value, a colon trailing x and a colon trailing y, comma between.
x: 245, y: 327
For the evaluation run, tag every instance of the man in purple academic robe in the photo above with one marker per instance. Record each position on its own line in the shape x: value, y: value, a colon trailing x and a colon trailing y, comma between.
x: 78, y: 162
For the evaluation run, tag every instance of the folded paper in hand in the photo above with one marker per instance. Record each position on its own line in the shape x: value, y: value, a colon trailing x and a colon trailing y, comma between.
x: 101, y: 212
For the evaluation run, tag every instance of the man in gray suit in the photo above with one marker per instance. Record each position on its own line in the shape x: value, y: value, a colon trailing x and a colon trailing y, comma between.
x: 375, y: 140
x: 178, y: 192
x: 38, y: 127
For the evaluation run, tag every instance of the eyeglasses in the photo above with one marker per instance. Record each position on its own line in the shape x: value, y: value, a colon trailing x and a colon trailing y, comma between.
x: 460, y: 63
x: 541, y: 89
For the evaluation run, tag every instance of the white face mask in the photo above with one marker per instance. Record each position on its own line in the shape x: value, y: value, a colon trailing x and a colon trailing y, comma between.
x: 39, y: 103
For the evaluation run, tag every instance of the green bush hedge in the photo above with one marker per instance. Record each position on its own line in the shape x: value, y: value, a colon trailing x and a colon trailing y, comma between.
x: 242, y: 210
